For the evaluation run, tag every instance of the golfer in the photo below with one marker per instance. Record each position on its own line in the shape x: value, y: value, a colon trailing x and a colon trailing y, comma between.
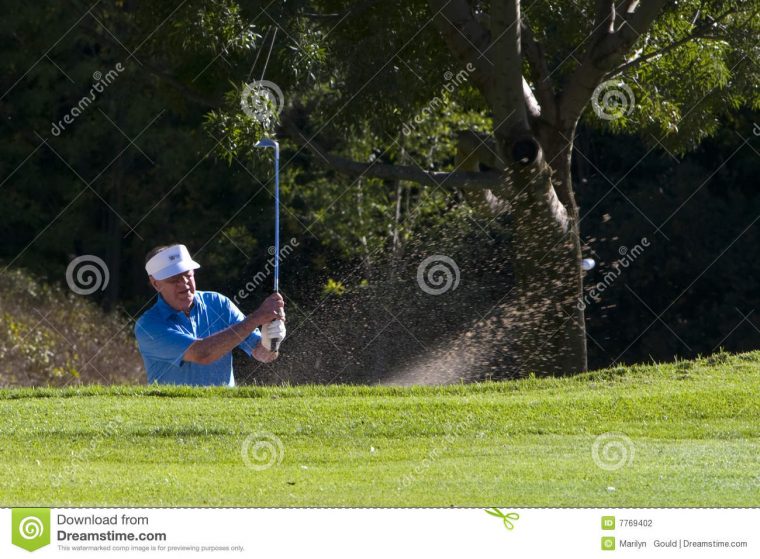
x: 187, y: 337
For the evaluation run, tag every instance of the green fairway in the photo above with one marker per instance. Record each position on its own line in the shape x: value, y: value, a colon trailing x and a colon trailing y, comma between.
x: 693, y: 433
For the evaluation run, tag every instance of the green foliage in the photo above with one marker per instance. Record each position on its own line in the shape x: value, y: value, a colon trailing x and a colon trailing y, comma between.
x: 52, y: 337
x: 368, y: 80
x: 375, y: 90
x: 140, y: 143
x: 236, y: 131
x: 33, y: 348
x: 221, y: 27
x: 560, y: 27
x: 333, y: 287
x: 383, y: 63
x: 683, y: 88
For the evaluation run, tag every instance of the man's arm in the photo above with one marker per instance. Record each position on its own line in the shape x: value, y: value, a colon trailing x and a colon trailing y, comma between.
x: 213, y: 347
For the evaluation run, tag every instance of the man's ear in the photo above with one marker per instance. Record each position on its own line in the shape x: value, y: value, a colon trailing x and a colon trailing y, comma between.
x: 153, y: 282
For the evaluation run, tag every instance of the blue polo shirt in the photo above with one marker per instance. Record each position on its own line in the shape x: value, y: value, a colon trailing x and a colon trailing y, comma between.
x: 164, y: 334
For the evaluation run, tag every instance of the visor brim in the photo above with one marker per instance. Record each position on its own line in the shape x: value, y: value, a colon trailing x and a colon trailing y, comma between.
x: 177, y: 268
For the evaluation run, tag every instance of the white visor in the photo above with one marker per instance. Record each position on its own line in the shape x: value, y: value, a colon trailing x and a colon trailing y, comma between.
x: 170, y: 262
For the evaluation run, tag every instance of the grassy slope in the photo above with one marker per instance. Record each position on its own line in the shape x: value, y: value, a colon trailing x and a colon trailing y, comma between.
x: 694, y: 426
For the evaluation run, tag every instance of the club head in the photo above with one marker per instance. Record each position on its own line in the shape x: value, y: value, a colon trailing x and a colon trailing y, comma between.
x: 266, y: 143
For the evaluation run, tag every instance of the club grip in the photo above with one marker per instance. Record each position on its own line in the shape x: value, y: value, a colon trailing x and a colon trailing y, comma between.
x: 275, y: 344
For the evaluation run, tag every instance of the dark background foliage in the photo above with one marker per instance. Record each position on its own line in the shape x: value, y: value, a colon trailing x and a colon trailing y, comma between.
x: 139, y: 168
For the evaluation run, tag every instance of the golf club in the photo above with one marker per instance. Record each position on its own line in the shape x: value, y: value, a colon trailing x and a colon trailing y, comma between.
x: 267, y: 143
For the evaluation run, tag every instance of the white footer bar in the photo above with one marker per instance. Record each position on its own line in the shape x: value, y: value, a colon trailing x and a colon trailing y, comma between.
x: 381, y: 533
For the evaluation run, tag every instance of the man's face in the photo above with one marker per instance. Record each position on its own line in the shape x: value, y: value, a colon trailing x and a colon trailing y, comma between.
x: 177, y: 291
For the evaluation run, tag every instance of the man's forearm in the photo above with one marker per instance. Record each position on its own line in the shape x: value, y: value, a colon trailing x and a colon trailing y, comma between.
x: 213, y: 347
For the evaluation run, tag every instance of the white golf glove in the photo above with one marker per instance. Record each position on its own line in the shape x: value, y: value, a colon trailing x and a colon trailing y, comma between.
x: 273, y: 330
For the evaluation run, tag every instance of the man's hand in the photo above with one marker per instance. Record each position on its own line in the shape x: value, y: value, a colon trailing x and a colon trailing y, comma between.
x: 262, y: 354
x: 213, y: 347
x: 273, y: 308
x: 270, y: 316
x: 272, y: 331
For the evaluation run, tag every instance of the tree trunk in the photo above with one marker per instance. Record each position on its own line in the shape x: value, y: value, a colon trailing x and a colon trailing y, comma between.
x: 573, y: 329
x: 542, y: 315
x: 540, y: 327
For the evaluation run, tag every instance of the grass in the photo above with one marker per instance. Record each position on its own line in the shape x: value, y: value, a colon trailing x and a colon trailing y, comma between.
x: 693, y: 426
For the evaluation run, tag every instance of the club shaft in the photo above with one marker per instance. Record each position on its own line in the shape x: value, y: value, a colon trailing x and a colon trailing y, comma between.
x: 271, y: 143
x: 276, y: 218
x: 276, y: 341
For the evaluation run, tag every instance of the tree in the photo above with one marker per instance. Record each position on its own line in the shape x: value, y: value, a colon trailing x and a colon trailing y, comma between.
x: 362, y: 81
x: 645, y: 66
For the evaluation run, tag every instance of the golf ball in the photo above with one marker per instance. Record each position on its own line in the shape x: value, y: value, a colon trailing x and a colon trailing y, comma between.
x: 588, y: 264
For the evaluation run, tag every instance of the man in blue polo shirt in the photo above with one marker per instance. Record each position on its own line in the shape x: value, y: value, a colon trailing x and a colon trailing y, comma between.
x: 187, y: 337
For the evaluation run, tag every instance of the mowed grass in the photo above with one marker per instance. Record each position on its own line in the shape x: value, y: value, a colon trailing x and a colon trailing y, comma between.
x: 693, y: 426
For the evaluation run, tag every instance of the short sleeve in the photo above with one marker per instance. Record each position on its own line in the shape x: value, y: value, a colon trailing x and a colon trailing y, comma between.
x: 162, y: 342
x: 236, y: 316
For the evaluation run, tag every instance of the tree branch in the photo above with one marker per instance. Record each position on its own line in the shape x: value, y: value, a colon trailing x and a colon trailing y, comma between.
x: 356, y: 9
x: 470, y: 42
x: 606, y: 50
x: 637, y: 19
x: 644, y: 58
x: 479, y: 148
x: 386, y: 171
x: 531, y: 103
x: 509, y: 106
x: 534, y: 54
x: 704, y: 30
x: 466, y: 38
x: 604, y: 16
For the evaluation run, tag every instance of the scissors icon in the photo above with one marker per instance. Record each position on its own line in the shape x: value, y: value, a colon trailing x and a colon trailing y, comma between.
x: 507, y: 518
